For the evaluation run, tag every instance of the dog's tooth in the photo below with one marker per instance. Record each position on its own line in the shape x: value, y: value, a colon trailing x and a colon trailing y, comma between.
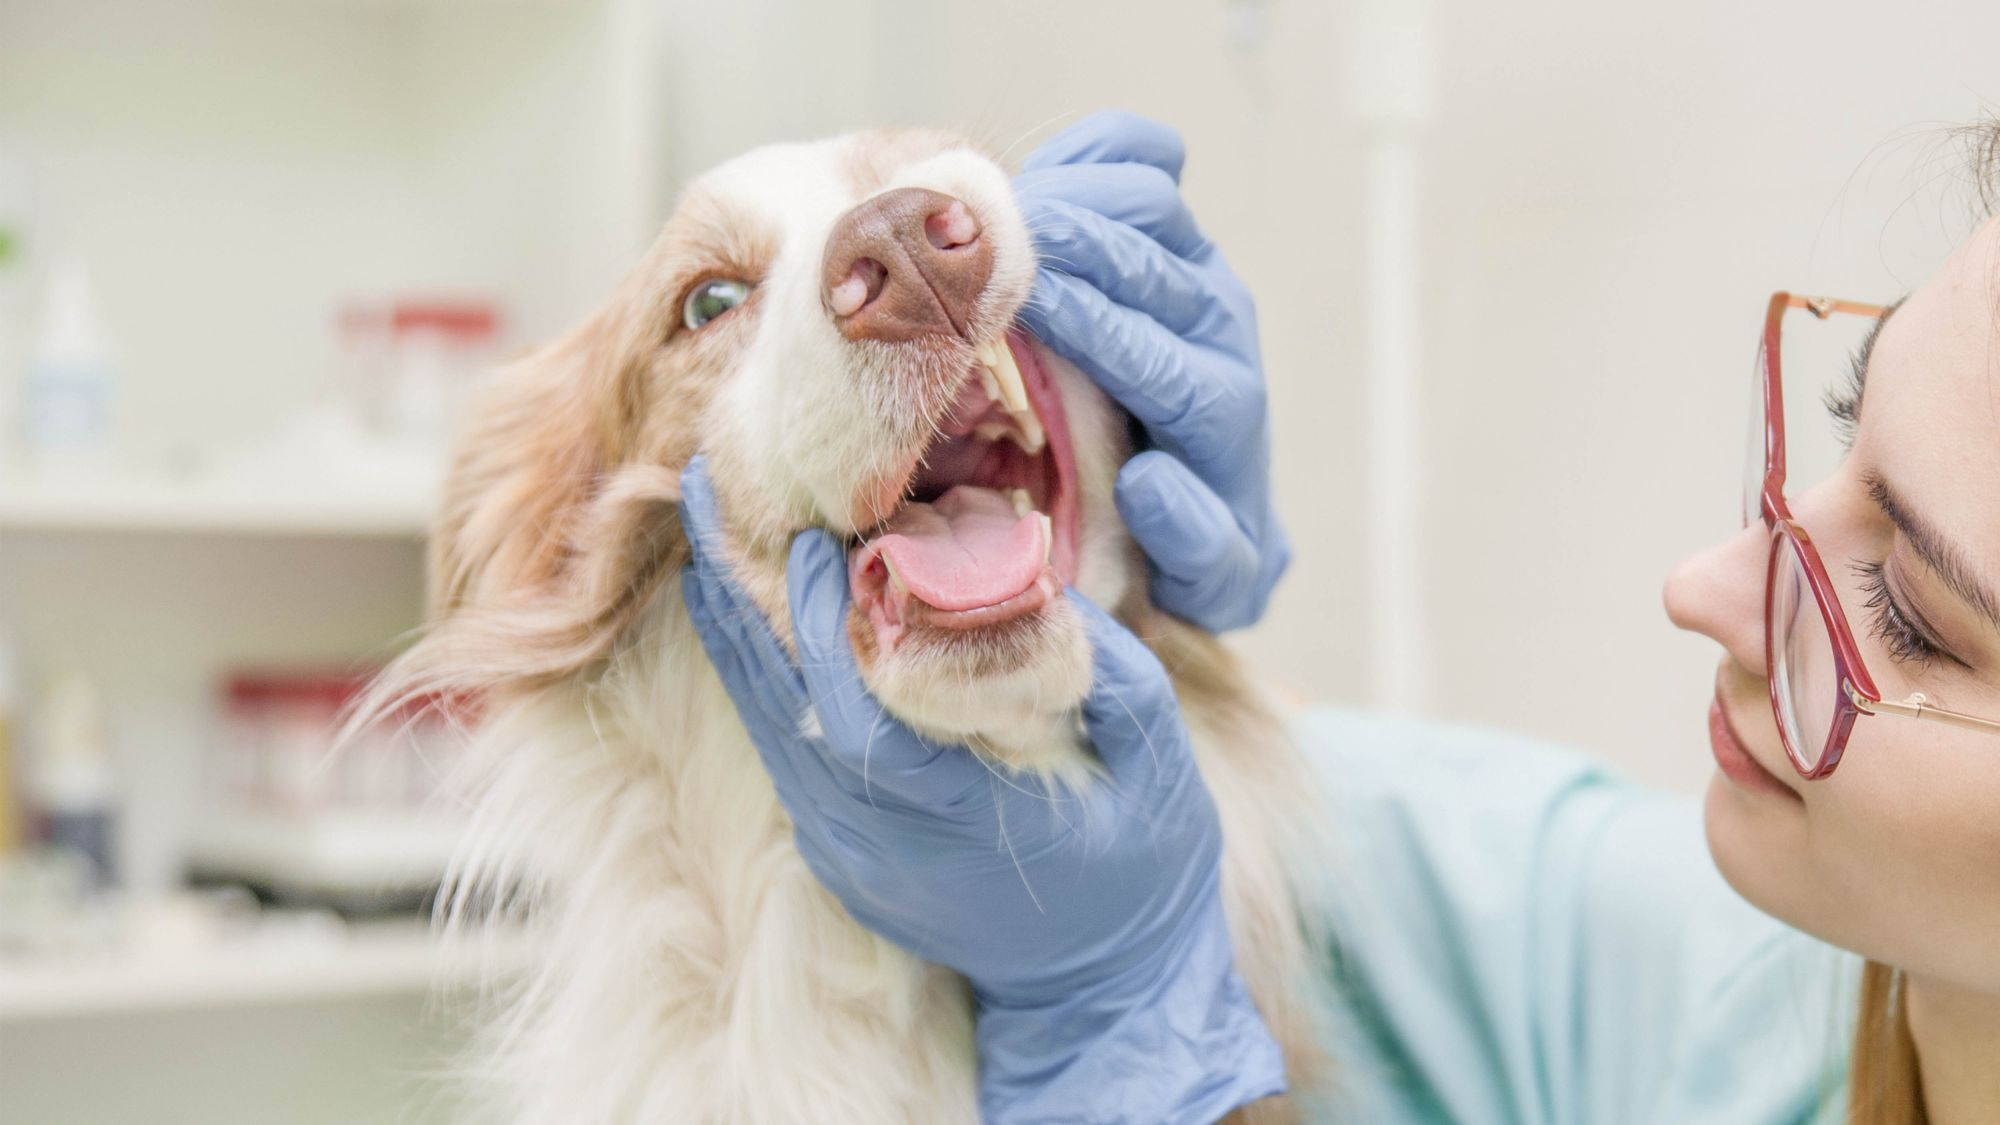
x: 1031, y: 439
x: 1013, y: 392
x: 1048, y: 537
x: 895, y: 579
x: 1023, y: 503
x: 994, y: 431
x: 987, y: 383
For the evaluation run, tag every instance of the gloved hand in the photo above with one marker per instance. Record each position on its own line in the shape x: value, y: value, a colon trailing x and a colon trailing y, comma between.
x: 1132, y: 293
x: 1090, y: 925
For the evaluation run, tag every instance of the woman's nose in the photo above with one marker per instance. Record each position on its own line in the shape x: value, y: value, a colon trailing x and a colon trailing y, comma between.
x: 1719, y: 593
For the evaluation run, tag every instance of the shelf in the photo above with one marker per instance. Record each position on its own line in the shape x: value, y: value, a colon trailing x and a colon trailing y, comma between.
x: 361, y: 508
x: 328, y: 853
x: 374, y: 959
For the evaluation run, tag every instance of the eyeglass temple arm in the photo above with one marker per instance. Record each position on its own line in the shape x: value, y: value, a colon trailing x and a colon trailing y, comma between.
x: 1823, y: 307
x: 1918, y: 707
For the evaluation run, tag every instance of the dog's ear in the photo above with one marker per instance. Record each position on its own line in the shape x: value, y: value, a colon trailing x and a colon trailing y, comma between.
x: 559, y: 518
x: 529, y: 464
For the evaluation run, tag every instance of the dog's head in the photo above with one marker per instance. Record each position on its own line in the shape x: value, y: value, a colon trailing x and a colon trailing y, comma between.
x: 832, y: 325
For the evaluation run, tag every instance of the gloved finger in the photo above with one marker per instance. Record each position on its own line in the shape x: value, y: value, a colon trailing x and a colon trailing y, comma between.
x: 722, y: 611
x: 1138, y: 195
x: 1190, y: 399
x: 767, y: 690
x: 1131, y: 715
x: 1205, y: 567
x: 722, y: 624
x: 798, y: 791
x: 1125, y: 265
x: 875, y: 748
x: 701, y: 519
x: 1113, y: 136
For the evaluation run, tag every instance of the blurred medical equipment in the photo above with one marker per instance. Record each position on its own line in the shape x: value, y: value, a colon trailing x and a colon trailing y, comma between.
x: 1391, y: 87
x: 12, y: 829
x: 406, y: 365
x: 71, y: 383
x: 364, y: 828
x: 75, y: 782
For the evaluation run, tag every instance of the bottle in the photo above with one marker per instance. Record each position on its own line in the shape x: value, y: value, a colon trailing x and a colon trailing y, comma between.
x: 70, y: 385
x: 77, y: 785
x: 12, y: 834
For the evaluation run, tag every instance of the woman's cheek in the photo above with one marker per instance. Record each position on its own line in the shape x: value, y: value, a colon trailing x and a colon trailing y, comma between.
x: 1907, y: 856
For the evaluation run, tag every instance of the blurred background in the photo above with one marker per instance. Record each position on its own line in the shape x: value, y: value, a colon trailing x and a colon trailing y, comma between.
x: 1510, y: 264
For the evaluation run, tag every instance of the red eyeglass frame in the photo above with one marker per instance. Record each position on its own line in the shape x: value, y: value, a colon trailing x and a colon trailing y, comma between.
x: 1855, y: 692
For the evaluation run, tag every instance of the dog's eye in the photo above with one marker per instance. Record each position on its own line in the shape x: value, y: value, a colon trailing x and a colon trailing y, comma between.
x: 711, y: 299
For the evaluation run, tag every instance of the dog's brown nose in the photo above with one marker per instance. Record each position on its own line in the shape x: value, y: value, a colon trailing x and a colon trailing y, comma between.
x: 904, y: 264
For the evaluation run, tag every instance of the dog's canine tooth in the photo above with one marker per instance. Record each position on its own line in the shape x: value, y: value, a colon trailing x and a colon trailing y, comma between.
x: 998, y: 359
x: 895, y: 579
x: 1031, y: 439
x: 1023, y: 503
x: 1000, y: 377
x: 1048, y: 536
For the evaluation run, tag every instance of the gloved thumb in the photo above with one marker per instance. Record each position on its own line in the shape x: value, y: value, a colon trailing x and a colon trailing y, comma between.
x: 816, y: 576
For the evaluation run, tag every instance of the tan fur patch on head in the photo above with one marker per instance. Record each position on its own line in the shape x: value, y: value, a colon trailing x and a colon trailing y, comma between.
x: 558, y: 518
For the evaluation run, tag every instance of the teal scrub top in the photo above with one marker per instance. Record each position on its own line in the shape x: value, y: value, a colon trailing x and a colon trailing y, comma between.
x: 1521, y: 936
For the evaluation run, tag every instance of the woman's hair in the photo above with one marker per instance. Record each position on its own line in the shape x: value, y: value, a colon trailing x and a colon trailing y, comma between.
x: 1885, y: 1086
x: 1982, y: 145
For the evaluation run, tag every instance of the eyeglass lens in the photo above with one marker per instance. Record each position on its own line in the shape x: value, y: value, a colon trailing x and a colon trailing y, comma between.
x: 1803, y: 675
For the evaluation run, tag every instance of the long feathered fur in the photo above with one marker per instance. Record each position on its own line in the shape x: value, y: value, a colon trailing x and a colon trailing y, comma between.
x: 685, y: 965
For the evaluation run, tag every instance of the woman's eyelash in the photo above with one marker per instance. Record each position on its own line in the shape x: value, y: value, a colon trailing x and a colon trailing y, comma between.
x: 1843, y: 402
x: 1894, y: 626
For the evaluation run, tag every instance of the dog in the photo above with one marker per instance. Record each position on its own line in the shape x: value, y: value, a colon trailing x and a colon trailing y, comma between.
x: 833, y: 325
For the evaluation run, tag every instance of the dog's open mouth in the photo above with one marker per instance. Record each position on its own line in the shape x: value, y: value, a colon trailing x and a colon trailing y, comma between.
x: 987, y: 531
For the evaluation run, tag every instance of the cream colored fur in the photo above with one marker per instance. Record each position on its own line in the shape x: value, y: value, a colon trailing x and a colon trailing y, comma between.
x: 688, y: 967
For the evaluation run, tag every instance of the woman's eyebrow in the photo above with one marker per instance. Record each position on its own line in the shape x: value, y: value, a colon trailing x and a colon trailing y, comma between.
x: 1942, y: 555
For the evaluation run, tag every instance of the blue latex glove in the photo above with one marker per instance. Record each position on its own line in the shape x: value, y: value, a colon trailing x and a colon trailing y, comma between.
x: 1132, y: 293
x: 1089, y: 925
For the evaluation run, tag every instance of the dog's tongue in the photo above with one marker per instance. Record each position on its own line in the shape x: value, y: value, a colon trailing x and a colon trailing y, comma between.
x: 965, y: 550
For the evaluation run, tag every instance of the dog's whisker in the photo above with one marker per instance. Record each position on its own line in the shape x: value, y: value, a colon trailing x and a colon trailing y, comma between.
x: 1000, y: 818
x: 1144, y: 734
x: 1031, y: 131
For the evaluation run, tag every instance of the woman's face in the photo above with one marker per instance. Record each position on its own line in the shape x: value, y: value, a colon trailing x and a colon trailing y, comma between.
x: 1897, y: 854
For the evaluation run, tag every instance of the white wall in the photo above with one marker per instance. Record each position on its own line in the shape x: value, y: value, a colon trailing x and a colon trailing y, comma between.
x: 1611, y: 192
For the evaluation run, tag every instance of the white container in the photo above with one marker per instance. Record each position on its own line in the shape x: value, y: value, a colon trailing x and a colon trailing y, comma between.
x: 70, y: 385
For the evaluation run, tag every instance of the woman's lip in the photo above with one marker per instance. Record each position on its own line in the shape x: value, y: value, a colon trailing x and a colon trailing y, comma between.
x: 1736, y: 763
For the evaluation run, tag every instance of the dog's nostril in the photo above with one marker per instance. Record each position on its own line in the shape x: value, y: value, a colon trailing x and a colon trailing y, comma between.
x: 905, y: 263
x: 952, y: 228
x: 862, y: 284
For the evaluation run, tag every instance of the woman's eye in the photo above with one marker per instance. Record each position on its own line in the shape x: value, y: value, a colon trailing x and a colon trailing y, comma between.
x: 1903, y: 634
x: 711, y: 299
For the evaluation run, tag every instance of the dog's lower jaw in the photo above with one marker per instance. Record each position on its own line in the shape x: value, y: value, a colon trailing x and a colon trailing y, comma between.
x: 1014, y: 701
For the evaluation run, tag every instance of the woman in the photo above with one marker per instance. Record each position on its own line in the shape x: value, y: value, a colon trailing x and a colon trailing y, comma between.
x: 1521, y: 937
